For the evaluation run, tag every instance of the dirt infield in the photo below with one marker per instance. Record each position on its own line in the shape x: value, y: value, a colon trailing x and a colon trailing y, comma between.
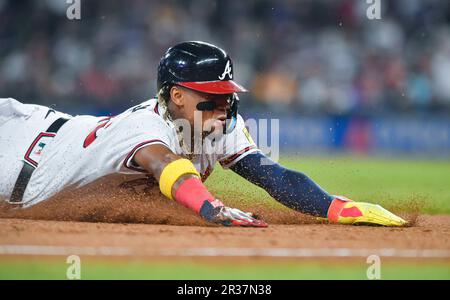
x: 431, y: 232
x: 129, y: 222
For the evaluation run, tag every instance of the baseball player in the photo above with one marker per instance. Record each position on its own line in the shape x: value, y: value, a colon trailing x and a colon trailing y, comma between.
x: 177, y: 138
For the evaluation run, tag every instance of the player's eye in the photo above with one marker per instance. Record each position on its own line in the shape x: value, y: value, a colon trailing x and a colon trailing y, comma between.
x: 206, y: 105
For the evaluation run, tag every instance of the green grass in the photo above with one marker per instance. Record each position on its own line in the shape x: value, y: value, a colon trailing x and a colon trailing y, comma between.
x: 403, y: 184
x: 103, y: 269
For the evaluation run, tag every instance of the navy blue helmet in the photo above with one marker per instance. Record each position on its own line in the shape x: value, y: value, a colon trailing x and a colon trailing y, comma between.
x: 199, y: 66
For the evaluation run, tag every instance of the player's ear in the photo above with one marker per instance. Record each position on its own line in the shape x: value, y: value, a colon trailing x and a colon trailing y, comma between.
x: 176, y: 95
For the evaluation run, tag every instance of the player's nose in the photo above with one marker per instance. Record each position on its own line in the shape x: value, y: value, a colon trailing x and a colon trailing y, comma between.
x: 220, y: 112
x: 221, y: 107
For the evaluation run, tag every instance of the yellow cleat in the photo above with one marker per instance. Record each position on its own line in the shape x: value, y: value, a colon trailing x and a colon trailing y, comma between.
x: 345, y: 211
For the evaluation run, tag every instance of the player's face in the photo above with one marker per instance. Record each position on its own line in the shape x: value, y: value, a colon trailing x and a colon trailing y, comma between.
x: 212, y: 118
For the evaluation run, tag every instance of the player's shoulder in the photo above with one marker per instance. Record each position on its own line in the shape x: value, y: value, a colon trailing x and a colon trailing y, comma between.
x: 241, y: 132
x: 149, y: 109
x: 240, y: 122
x: 146, y: 115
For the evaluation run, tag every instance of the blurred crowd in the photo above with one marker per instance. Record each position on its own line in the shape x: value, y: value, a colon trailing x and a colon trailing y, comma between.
x: 309, y: 56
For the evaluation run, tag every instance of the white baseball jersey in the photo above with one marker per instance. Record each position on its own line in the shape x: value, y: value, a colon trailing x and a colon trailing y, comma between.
x: 87, y: 148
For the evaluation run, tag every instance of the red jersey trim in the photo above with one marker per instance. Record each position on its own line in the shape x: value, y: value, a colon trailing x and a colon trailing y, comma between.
x: 27, y: 154
x: 229, y: 160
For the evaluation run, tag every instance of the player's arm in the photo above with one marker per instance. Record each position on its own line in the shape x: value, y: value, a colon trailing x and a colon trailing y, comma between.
x: 179, y: 180
x: 297, y: 191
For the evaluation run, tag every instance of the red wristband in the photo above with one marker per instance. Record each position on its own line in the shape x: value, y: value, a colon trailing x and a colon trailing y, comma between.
x: 192, y: 194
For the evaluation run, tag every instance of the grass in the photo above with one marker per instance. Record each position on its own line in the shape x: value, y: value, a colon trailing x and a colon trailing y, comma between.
x: 404, y: 184
x: 204, y: 270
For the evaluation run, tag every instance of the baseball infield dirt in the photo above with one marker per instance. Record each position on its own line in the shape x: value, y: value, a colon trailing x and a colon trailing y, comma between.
x: 142, y: 239
x: 127, y: 218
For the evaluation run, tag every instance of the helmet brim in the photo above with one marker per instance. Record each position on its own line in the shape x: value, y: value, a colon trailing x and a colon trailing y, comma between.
x: 214, y: 87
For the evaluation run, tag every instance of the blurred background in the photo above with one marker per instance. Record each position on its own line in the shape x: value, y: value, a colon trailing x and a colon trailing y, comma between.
x: 337, y: 81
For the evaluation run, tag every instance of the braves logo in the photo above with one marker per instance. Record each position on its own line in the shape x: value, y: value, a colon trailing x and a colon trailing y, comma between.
x: 227, y: 71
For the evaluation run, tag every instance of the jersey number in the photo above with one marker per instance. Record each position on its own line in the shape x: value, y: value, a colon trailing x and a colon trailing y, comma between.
x: 93, y: 135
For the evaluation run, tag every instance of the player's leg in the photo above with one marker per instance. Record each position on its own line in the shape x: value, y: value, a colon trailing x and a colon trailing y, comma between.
x: 19, y: 125
x: 12, y: 143
x: 297, y: 191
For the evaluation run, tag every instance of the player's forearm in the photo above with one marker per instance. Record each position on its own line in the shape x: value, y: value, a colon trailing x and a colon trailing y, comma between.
x: 192, y: 193
x: 291, y: 188
x: 181, y: 182
x: 178, y: 179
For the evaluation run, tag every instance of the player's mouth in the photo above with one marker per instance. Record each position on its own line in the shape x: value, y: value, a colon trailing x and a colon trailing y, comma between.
x: 220, y: 122
x: 216, y: 124
x: 222, y: 119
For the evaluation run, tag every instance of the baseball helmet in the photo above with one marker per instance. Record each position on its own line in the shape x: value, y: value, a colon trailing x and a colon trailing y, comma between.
x: 202, y: 67
x: 199, y: 66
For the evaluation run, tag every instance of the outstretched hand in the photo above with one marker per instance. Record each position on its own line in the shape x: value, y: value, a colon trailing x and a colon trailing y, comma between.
x: 228, y: 216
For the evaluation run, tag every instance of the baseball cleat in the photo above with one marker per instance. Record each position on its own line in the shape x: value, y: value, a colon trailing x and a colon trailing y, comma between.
x: 344, y: 211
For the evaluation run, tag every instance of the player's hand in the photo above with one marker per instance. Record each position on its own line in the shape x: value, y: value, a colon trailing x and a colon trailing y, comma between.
x: 234, y: 217
x: 227, y: 216
x: 362, y: 213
